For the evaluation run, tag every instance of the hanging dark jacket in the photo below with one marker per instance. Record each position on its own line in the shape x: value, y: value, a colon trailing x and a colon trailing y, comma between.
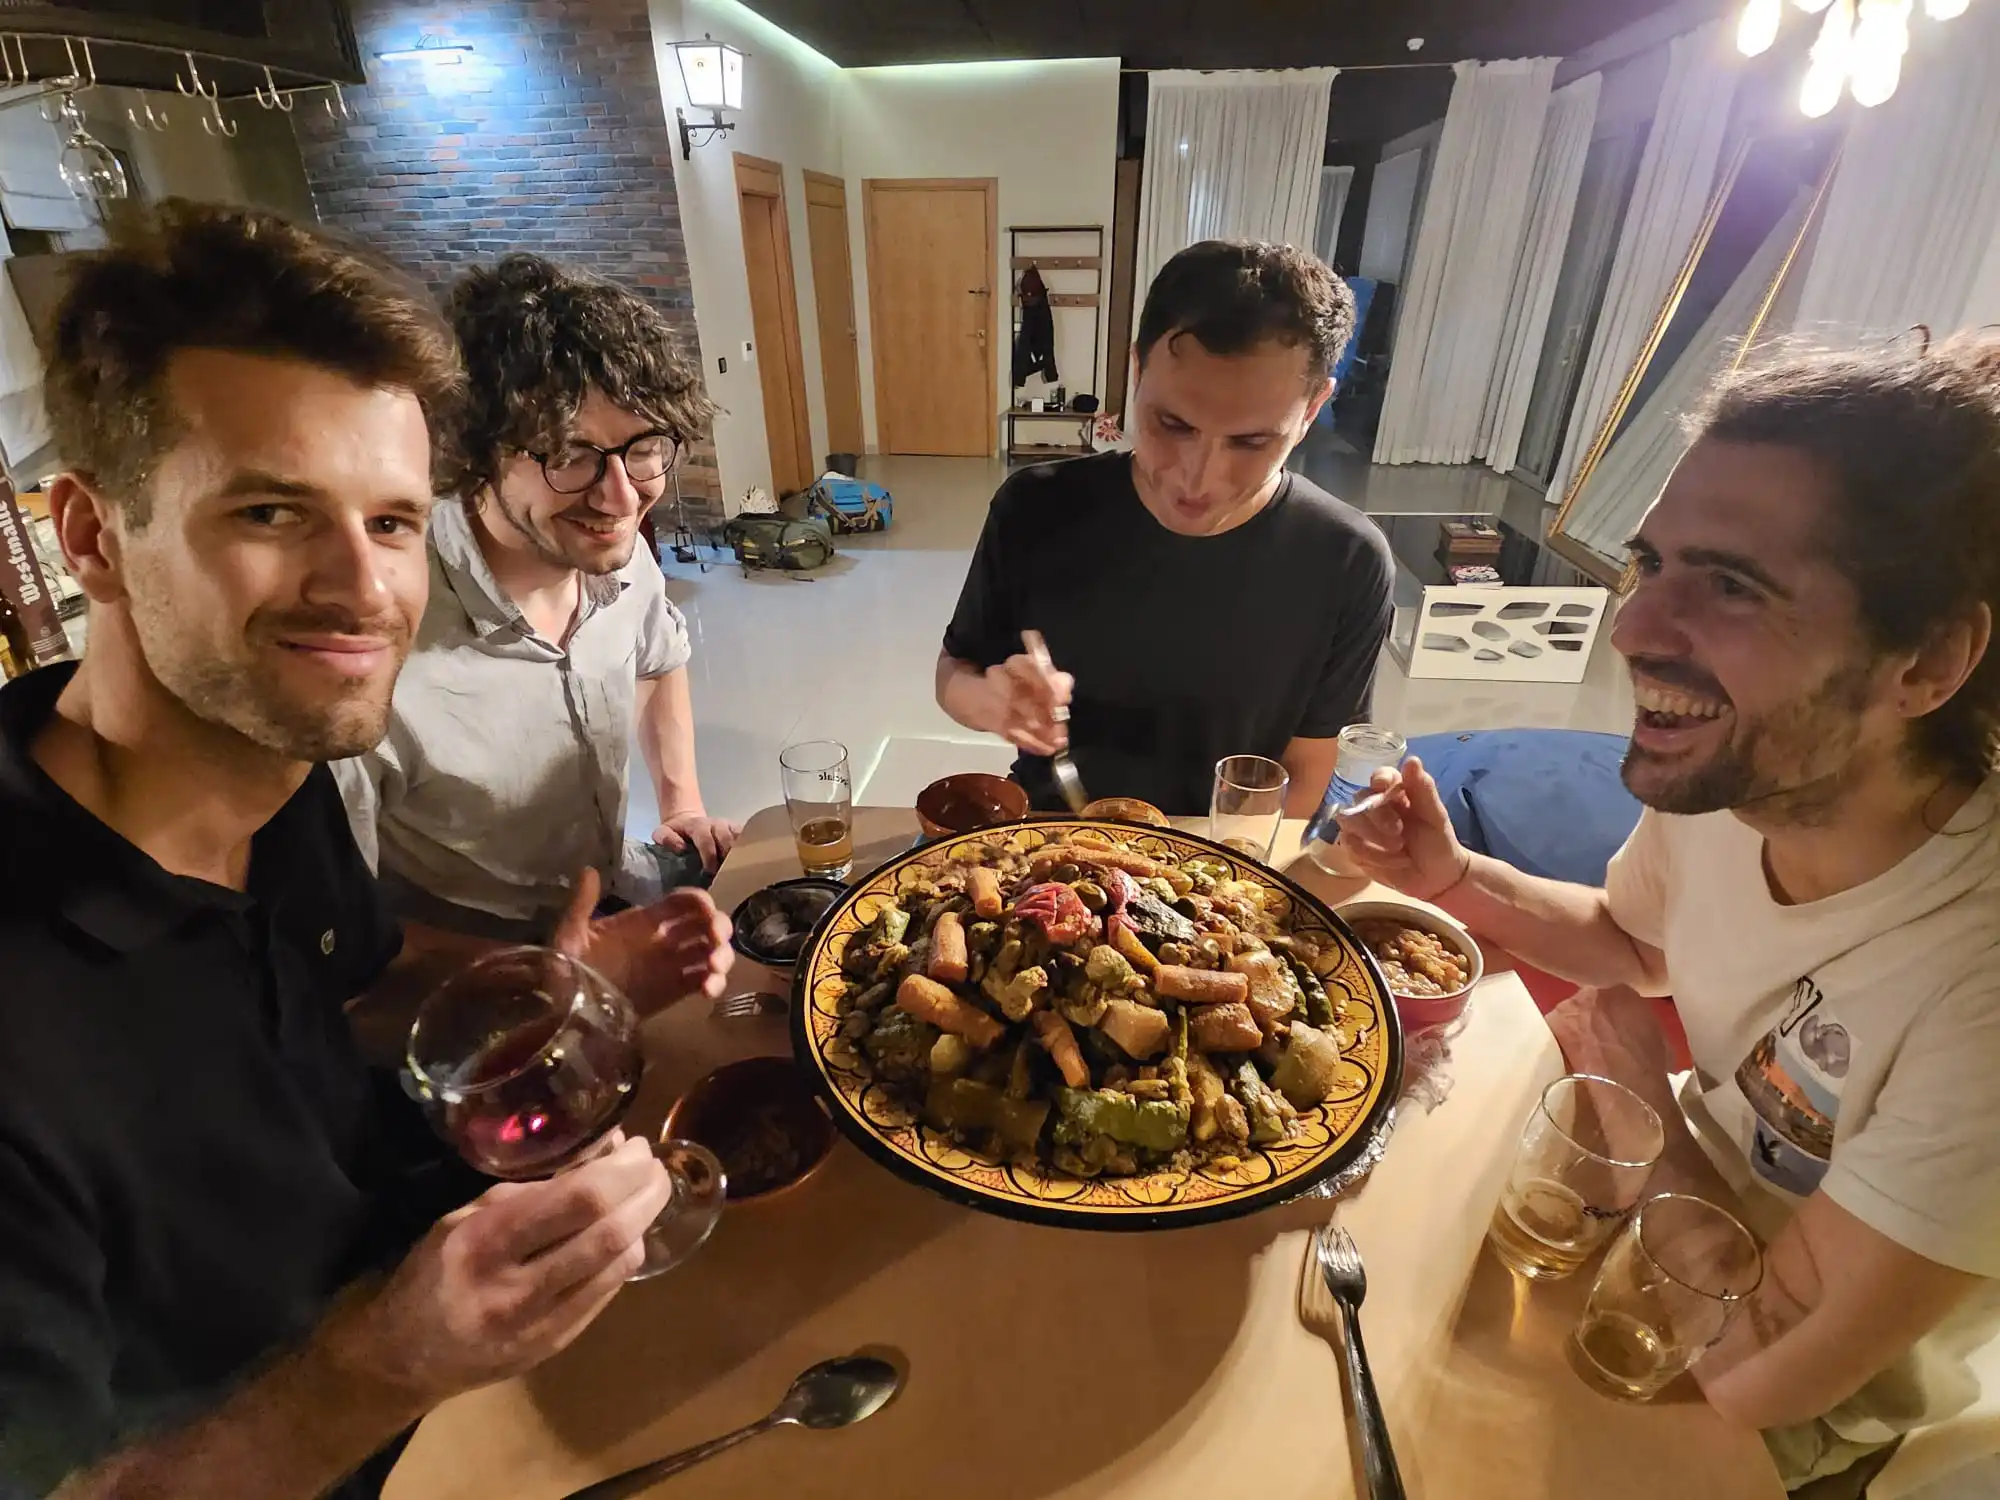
x: 1035, y: 344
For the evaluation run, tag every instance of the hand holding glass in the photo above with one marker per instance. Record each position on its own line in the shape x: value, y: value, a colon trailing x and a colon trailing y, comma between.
x: 526, y: 1059
x: 1666, y: 1292
x: 1583, y: 1162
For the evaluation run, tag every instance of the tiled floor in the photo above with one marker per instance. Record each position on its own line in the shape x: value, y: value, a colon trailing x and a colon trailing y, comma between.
x: 848, y: 653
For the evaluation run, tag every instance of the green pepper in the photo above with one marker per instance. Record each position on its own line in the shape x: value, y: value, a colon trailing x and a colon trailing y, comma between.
x: 1318, y: 1008
x: 1150, y: 1124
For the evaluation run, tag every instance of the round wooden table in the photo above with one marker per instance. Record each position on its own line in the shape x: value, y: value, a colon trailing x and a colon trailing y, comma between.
x: 1049, y: 1363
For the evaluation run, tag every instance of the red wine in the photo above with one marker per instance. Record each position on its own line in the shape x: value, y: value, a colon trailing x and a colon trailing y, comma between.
x: 539, y: 1097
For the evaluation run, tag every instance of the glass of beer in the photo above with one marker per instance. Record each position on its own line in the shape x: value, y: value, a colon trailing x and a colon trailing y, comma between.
x: 819, y: 794
x: 1667, y: 1290
x: 1248, y: 804
x: 1583, y: 1162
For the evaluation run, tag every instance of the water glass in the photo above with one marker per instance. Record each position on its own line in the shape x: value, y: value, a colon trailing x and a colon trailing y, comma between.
x: 819, y: 795
x: 1584, y: 1159
x: 1364, y: 750
x: 1248, y: 804
x: 1666, y: 1293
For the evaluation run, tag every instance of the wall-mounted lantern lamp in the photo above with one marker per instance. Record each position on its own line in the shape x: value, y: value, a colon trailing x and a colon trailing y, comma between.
x: 712, y: 74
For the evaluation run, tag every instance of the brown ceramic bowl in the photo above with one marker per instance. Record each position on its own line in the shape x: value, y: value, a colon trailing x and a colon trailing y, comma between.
x: 1126, y: 810
x: 761, y: 1117
x: 968, y: 802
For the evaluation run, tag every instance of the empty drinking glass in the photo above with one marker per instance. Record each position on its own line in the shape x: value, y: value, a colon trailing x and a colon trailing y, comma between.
x: 1667, y: 1291
x: 1364, y: 750
x: 1583, y: 1162
x: 1249, y: 804
x: 819, y: 795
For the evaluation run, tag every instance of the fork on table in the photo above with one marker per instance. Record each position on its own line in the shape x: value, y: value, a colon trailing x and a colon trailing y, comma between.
x: 1334, y: 1285
x: 745, y: 1006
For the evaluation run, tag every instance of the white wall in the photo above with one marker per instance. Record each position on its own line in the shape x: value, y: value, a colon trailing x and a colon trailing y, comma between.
x: 788, y: 117
x: 1047, y: 130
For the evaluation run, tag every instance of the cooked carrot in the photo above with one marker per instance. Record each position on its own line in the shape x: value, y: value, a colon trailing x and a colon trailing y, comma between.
x: 983, y: 885
x: 947, y: 962
x: 1132, y: 863
x: 1061, y: 1044
x: 1224, y: 1028
x: 1136, y: 953
x: 1201, y: 986
x: 930, y: 1001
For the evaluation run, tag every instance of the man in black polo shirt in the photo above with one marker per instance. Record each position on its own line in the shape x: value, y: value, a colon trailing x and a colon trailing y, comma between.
x: 1201, y: 599
x: 199, y: 1178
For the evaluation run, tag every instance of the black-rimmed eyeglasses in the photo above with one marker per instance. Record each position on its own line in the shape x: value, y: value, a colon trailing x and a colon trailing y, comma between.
x: 575, y: 467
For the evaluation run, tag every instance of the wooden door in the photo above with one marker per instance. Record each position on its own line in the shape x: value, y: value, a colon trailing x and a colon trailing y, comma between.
x: 774, y: 317
x: 833, y: 290
x: 932, y: 247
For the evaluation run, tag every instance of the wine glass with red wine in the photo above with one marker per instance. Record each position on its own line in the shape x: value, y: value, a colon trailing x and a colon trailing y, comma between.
x: 526, y: 1059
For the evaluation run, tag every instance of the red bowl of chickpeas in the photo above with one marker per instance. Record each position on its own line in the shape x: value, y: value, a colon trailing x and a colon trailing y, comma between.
x: 1431, y: 963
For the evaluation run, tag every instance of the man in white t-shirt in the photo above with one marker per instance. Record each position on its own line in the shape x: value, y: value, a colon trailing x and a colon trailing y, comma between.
x: 1816, y: 882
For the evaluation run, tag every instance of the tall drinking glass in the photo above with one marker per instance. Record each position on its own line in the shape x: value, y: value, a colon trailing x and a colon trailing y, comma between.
x: 1364, y: 750
x: 1583, y: 1162
x: 1248, y: 804
x: 819, y: 795
x: 1667, y: 1291
x: 525, y: 1060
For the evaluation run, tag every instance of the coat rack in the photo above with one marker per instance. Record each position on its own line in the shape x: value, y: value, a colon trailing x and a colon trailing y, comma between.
x: 1075, y: 282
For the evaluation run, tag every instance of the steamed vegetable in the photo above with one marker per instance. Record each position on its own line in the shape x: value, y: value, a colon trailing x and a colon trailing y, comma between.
x: 1139, y: 1029
x: 1151, y: 1125
x: 1306, y: 1072
x: 963, y: 1104
x: 930, y: 1001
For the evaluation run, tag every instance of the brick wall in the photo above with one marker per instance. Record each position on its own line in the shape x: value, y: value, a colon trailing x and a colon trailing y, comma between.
x: 549, y: 136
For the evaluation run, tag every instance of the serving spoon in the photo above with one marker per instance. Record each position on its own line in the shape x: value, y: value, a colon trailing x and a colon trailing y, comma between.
x: 833, y: 1393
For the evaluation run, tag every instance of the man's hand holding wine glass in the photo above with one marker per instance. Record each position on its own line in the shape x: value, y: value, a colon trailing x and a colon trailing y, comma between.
x: 503, y: 1283
x: 673, y: 949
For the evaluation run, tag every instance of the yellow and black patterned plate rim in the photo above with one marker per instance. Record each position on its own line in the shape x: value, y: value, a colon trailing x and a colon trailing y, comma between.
x: 953, y: 1177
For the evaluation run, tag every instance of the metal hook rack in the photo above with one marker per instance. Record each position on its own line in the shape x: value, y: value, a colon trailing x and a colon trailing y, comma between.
x: 146, y: 117
x: 277, y: 98
x: 339, y: 98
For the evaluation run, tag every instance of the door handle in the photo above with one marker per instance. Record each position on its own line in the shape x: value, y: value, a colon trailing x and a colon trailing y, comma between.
x: 978, y: 291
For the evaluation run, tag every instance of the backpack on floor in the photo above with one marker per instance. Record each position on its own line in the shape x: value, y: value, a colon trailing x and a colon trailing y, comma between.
x: 851, y: 505
x: 767, y: 541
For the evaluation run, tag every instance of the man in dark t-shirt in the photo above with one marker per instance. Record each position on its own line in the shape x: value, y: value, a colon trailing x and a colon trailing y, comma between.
x: 1200, y: 599
x: 233, y: 1261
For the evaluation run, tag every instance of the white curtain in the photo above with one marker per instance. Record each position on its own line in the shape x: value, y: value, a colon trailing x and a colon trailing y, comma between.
x: 1454, y: 304
x: 1669, y: 200
x: 1651, y: 439
x: 1232, y: 155
x: 1334, y: 183
x: 1914, y: 211
x: 1566, y: 130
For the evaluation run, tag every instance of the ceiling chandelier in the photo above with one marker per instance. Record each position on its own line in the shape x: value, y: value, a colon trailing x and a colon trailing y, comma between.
x: 1859, y: 50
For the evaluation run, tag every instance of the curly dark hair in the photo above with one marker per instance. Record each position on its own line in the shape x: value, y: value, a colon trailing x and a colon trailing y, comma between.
x: 537, y: 338
x: 1910, y: 443
x: 1233, y: 295
x: 185, y: 275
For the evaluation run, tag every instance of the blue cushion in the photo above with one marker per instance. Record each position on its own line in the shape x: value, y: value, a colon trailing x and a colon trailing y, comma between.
x: 1548, y: 801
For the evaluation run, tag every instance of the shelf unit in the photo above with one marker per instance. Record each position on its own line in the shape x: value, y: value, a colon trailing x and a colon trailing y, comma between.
x: 1065, y: 270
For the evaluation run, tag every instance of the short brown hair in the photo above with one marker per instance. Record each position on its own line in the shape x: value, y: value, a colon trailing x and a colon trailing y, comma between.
x: 186, y: 275
x: 1233, y: 295
x: 538, y: 338
x: 1909, y: 443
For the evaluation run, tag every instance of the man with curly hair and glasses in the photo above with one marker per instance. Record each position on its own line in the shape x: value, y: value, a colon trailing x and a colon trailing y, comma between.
x: 549, y: 639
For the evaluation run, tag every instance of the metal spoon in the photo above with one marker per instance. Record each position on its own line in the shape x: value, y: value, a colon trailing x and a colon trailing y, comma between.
x: 833, y: 1393
x: 1068, y: 782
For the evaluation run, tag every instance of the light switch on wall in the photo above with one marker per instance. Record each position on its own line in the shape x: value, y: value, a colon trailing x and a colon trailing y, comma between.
x: 749, y: 353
